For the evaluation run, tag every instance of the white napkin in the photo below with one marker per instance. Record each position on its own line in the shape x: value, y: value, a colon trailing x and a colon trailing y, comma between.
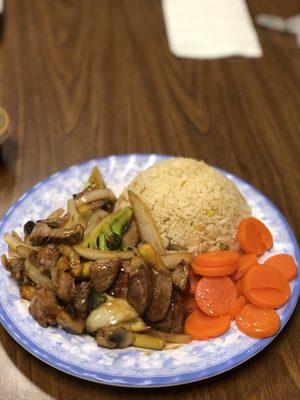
x: 1, y: 6
x: 210, y: 28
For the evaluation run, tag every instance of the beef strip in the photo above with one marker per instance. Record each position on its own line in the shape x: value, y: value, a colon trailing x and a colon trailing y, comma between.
x: 70, y: 324
x: 173, y: 321
x: 45, y: 258
x: 131, y: 236
x: 120, y: 286
x: 64, y: 285
x: 139, y: 289
x: 103, y: 273
x: 81, y: 302
x: 17, y: 269
x: 44, y: 307
x: 55, y: 222
x: 42, y: 234
x: 180, y: 275
x: 161, y: 294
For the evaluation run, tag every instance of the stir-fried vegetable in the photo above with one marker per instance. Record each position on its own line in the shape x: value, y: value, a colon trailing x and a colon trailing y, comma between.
x: 102, y: 242
x: 111, y: 312
x: 95, y: 179
x: 113, y: 337
x: 96, y: 299
x: 74, y: 260
x: 94, y: 220
x: 5, y: 262
x: 145, y: 222
x: 94, y: 195
x: 151, y: 257
x: 36, y: 275
x: 14, y: 242
x: 56, y: 214
x: 171, y: 261
x: 148, y: 342
x: 91, y: 240
x: 170, y: 337
x: 113, y: 229
x: 91, y: 254
x: 73, y: 213
x: 24, y: 251
x: 136, y: 325
x: 122, y: 222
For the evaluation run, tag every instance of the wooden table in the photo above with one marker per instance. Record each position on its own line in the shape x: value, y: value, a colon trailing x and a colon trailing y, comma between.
x: 84, y: 79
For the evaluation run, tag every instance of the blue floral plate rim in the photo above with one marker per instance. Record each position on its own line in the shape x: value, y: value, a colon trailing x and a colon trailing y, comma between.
x: 159, y: 381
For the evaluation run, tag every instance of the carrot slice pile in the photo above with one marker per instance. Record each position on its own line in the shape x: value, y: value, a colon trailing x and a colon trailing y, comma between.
x: 202, y: 327
x: 253, y: 236
x: 258, y: 322
x: 189, y: 304
x: 236, y: 306
x: 214, y: 296
x: 214, y: 271
x: 284, y: 264
x: 245, y: 262
x: 274, y: 291
x: 235, y: 287
x: 220, y: 258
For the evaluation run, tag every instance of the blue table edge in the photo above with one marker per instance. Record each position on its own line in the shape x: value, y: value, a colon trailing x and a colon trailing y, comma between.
x: 155, y: 382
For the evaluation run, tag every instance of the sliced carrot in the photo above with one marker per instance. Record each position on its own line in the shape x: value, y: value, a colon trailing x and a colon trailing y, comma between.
x: 258, y: 323
x: 245, y: 262
x: 214, y: 271
x: 253, y: 236
x: 219, y: 258
x: 239, y: 286
x: 193, y: 280
x: 202, y: 327
x: 189, y: 304
x: 284, y: 264
x: 268, y: 295
x: 236, y: 306
x: 260, y: 277
x: 214, y: 296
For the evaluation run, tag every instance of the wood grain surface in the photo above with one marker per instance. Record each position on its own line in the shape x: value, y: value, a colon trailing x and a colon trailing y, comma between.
x: 84, y: 79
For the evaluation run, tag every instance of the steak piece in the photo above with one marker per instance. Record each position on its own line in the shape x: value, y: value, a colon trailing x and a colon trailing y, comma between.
x: 70, y: 324
x: 161, y: 294
x: 103, y: 273
x: 173, y: 321
x: 45, y: 258
x: 180, y: 275
x: 81, y: 303
x: 17, y: 268
x: 57, y: 222
x: 64, y: 285
x: 44, y: 307
x: 120, y: 286
x: 131, y: 236
x: 42, y: 234
x: 139, y: 289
